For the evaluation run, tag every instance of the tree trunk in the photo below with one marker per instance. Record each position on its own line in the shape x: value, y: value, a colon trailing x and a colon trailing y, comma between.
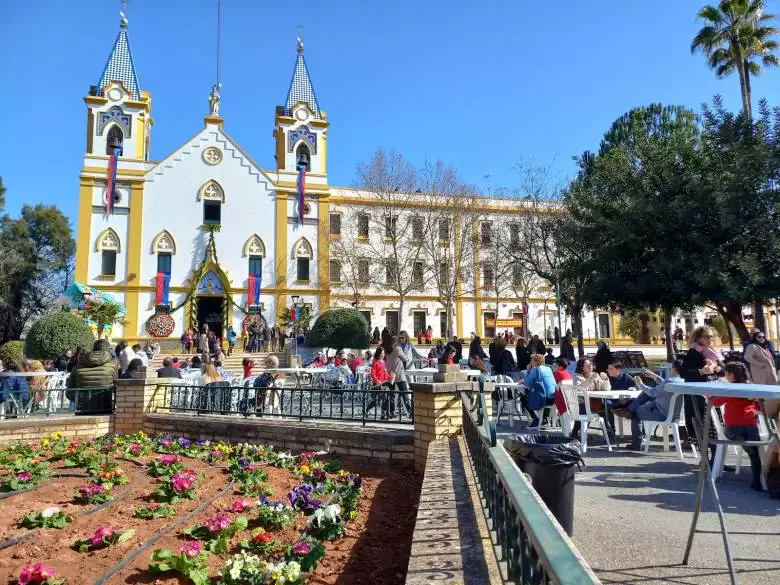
x: 759, y: 319
x: 401, y: 316
x: 576, y: 322
x: 732, y: 313
x: 668, y: 333
x: 448, y: 331
x: 748, y: 91
x: 743, y: 85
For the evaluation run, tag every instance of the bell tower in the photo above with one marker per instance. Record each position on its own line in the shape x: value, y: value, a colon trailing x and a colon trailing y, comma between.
x: 118, y: 112
x: 301, y: 126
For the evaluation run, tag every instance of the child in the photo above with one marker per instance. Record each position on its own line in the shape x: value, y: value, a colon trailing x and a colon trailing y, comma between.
x: 549, y: 359
x: 247, y: 364
x: 739, y: 414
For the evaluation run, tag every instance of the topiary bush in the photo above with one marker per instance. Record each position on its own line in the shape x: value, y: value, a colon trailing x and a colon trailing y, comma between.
x: 53, y: 334
x: 340, y: 328
x: 12, y: 351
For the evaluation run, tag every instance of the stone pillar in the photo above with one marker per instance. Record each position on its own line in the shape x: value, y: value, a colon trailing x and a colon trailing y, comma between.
x: 438, y: 412
x: 135, y: 398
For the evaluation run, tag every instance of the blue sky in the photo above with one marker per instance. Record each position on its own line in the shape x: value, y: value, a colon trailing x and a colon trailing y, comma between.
x: 479, y: 85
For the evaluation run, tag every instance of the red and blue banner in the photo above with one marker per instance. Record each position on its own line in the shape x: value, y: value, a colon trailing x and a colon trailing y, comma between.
x: 301, y: 192
x: 163, y: 288
x: 293, y: 313
x: 111, y: 180
x: 253, y: 295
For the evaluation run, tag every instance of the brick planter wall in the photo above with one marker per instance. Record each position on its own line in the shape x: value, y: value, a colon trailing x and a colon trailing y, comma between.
x: 376, y: 443
x: 35, y: 429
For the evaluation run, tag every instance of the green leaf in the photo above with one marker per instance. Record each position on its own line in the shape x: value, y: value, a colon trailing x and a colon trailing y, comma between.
x: 125, y: 535
x: 199, y: 576
x: 161, y: 554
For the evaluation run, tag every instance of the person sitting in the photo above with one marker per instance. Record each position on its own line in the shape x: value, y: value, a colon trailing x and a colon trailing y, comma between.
x: 341, y: 359
x: 319, y: 360
x: 209, y: 375
x: 196, y: 363
x: 354, y: 363
x: 141, y: 354
x: 175, y: 363
x: 538, y: 372
x: 168, y: 371
x: 618, y: 378
x: 438, y: 351
x: 739, y: 416
x: 134, y: 366
x: 549, y: 358
x: 505, y: 363
x: 15, y: 387
x: 652, y: 404
x: 448, y: 357
x: 561, y: 372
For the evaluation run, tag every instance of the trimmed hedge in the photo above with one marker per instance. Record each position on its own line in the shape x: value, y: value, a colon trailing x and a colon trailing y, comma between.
x: 12, y: 351
x: 53, y: 334
x: 340, y: 328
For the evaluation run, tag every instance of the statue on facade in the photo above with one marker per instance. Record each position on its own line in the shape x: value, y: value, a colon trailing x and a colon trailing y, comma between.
x: 214, y: 99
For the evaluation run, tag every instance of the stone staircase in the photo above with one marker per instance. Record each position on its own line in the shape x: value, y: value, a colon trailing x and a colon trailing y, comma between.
x: 233, y: 363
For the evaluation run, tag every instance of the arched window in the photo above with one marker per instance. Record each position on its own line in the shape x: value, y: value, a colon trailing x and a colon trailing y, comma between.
x: 107, y: 244
x: 303, y: 157
x: 114, y: 140
x: 164, y: 246
x: 303, y: 253
x: 213, y: 196
x: 254, y: 249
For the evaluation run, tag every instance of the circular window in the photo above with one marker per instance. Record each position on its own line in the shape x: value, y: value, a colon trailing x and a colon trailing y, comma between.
x: 117, y: 196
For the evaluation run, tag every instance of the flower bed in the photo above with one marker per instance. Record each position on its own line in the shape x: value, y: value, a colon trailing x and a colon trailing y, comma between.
x: 260, y: 516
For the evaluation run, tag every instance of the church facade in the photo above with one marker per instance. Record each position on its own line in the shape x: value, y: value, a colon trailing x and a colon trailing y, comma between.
x: 206, y: 235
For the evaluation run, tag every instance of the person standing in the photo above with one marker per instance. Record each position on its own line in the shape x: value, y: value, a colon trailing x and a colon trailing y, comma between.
x: 267, y: 338
x: 274, y: 340
x: 476, y: 355
x: 758, y: 355
x: 231, y: 339
x: 203, y: 341
x: 567, y: 347
x: 405, y: 345
x: 550, y: 337
x: 522, y: 354
x: 603, y: 357
x: 397, y: 362
x: 376, y: 336
x: 536, y: 346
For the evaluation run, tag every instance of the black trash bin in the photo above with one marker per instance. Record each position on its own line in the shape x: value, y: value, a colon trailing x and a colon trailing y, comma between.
x: 549, y: 460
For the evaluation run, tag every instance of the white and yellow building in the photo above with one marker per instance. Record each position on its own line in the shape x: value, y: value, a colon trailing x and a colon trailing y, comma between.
x: 161, y: 208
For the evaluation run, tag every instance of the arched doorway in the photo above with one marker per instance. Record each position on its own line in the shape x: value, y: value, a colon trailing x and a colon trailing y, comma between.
x: 211, y: 303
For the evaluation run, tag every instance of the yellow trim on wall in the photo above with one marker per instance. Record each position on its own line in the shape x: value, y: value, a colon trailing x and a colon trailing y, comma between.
x: 84, y: 228
x: 119, y: 172
x: 477, y: 279
x: 140, y: 138
x: 324, y: 151
x: 281, y: 240
x: 323, y: 233
x: 134, y: 237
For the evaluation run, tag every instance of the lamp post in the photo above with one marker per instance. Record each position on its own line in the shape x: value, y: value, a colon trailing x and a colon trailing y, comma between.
x: 295, y: 299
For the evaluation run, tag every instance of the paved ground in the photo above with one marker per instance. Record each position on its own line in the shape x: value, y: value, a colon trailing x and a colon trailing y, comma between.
x: 633, y: 513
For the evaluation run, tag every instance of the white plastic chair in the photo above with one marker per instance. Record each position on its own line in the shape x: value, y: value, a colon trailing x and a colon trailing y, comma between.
x: 720, y: 450
x: 674, y: 420
x: 572, y: 414
x: 504, y: 399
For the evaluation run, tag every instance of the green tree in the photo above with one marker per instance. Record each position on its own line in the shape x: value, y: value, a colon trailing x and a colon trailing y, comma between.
x: 303, y: 322
x: 51, y: 335
x: 36, y: 252
x: 737, y: 37
x: 340, y: 328
x: 12, y: 351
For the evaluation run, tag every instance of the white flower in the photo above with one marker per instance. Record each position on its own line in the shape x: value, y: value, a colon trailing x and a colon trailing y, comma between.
x: 332, y: 512
x: 49, y: 512
x: 292, y: 571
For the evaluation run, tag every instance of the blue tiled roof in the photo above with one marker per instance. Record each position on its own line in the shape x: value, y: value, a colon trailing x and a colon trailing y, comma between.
x: 301, y: 89
x: 120, y: 66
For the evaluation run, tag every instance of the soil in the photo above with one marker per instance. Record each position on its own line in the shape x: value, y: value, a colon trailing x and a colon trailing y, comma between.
x: 375, y: 549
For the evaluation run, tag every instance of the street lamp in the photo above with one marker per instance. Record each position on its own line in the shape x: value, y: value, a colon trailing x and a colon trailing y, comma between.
x: 295, y: 299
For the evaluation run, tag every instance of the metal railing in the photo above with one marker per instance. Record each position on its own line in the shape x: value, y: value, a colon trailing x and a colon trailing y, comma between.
x: 26, y: 402
x: 349, y: 404
x: 534, y: 547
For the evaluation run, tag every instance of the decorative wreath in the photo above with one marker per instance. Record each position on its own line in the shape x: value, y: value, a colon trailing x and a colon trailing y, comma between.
x: 253, y: 318
x: 160, y: 325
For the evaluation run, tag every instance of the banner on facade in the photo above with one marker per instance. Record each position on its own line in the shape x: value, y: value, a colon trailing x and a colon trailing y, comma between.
x: 504, y: 322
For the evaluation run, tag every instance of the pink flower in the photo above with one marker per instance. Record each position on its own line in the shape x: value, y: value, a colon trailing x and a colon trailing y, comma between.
x: 168, y: 459
x: 301, y: 548
x: 183, y: 481
x: 102, y: 534
x: 191, y: 549
x: 135, y: 448
x: 91, y: 489
x: 24, y: 476
x: 307, y: 454
x: 34, y: 573
x: 240, y: 505
x: 76, y: 443
x: 167, y: 443
x: 218, y: 523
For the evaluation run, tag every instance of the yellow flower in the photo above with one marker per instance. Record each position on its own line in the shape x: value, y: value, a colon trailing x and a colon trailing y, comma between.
x: 304, y: 469
x: 45, y: 443
x: 353, y: 514
x: 56, y: 435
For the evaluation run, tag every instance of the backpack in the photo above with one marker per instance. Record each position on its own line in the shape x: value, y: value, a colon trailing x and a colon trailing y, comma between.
x: 265, y: 380
x: 536, y: 396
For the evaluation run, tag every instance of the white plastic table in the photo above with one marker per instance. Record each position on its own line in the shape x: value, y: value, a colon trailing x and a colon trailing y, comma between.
x: 300, y: 372
x: 758, y: 392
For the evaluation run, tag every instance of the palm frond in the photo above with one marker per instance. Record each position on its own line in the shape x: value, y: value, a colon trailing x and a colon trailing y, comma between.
x: 711, y: 14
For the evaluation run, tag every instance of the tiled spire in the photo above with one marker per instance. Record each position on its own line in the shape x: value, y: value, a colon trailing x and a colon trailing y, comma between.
x: 301, y: 89
x: 120, y: 66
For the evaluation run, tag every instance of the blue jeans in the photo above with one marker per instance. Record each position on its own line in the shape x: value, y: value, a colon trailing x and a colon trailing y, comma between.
x: 643, y: 408
x: 748, y: 433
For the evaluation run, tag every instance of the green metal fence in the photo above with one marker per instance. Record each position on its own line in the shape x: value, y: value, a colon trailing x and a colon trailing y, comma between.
x: 534, y: 547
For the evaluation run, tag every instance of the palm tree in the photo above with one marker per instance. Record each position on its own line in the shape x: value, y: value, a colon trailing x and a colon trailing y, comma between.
x: 737, y: 37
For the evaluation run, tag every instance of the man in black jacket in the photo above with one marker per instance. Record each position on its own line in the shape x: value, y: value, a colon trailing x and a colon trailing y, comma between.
x: 168, y: 371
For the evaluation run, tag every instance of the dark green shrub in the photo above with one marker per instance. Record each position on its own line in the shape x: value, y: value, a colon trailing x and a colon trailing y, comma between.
x: 53, y: 334
x: 12, y: 351
x: 340, y: 328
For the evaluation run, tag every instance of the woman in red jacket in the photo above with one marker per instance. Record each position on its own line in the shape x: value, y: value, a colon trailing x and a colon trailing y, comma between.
x: 380, y: 382
x: 739, y: 414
